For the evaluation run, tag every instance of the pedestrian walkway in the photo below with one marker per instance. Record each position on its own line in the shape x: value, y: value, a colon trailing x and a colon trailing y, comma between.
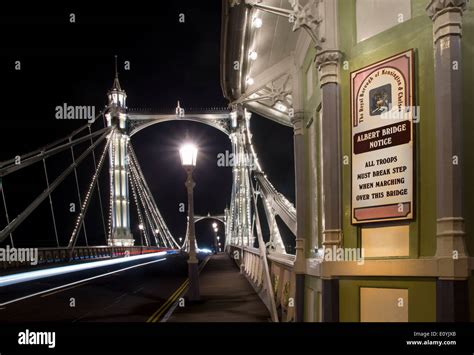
x: 226, y: 296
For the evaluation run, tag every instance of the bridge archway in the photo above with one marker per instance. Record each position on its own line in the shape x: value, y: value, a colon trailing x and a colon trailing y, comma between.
x: 217, y: 218
x: 218, y: 120
x: 219, y: 237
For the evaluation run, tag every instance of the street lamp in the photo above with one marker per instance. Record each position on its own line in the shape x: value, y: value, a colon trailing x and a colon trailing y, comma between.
x: 156, y: 235
x: 214, y: 226
x: 188, y: 155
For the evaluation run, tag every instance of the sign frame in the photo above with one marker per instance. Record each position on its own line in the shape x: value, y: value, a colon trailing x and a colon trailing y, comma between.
x: 406, y: 209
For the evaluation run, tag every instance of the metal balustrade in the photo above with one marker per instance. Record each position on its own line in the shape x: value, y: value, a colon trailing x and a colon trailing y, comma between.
x: 47, y: 256
x: 282, y: 277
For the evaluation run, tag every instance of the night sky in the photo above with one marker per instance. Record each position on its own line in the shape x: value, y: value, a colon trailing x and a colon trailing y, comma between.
x: 73, y: 63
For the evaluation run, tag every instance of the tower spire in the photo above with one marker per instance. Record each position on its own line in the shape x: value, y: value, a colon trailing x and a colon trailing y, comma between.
x: 116, y: 71
x: 116, y: 85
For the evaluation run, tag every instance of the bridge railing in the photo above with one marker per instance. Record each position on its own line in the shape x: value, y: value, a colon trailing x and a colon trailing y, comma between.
x: 284, y: 284
x: 281, y: 274
x: 47, y: 256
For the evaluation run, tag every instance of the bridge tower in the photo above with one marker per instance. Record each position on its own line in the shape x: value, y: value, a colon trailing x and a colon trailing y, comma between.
x: 116, y: 115
x: 240, y: 224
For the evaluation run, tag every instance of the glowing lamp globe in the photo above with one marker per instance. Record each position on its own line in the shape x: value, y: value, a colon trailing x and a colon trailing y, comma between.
x: 188, y: 155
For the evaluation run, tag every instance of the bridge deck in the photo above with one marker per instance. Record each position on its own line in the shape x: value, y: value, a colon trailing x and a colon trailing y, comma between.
x: 226, y: 296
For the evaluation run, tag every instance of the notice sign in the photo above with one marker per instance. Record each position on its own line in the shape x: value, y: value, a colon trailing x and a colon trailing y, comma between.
x: 382, y: 140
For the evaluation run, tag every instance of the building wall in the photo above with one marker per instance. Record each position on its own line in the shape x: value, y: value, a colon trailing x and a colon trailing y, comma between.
x: 416, y: 33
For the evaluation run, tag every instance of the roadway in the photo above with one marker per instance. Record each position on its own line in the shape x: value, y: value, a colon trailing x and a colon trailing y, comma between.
x: 131, y: 290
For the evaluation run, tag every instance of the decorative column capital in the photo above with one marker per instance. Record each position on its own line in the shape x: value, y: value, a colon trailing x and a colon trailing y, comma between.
x: 327, y: 63
x: 297, y: 120
x: 446, y: 16
x: 435, y: 6
x: 332, y: 237
x: 300, y: 260
x: 450, y: 233
x: 328, y: 56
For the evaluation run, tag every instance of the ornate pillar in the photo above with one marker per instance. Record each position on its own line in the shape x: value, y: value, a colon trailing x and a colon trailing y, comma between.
x: 300, y: 260
x: 452, y: 300
x: 193, y: 271
x: 116, y: 115
x: 327, y: 62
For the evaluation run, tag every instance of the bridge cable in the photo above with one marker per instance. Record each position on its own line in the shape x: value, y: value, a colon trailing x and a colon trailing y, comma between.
x: 51, y: 203
x: 98, y: 186
x: 44, y: 148
x: 140, y: 216
x: 148, y: 199
x: 263, y: 259
x: 275, y: 236
x: 145, y: 196
x: 27, y: 160
x: 87, y: 199
x: 136, y: 194
x: 39, y: 199
x: 148, y: 210
x: 50, y: 145
x: 6, y: 210
x: 166, y: 232
x: 79, y: 193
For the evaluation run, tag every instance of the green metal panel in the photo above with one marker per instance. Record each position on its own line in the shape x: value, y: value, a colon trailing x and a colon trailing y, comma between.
x: 415, y: 33
x: 421, y: 297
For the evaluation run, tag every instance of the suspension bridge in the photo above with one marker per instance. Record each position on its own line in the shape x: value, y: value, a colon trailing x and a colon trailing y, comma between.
x: 148, y: 262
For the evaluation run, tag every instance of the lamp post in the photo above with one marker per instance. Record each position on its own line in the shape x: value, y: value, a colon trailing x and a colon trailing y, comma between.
x: 214, y: 226
x: 156, y: 237
x: 188, y: 155
x: 141, y: 227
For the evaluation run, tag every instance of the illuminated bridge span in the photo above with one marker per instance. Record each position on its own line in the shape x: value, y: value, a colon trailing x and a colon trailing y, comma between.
x: 109, y: 147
